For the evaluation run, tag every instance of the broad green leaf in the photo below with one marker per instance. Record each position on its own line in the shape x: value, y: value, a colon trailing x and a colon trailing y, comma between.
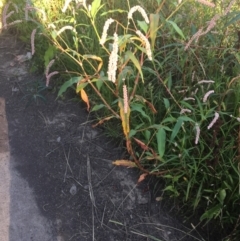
x: 222, y: 195
x: 54, y: 34
x: 176, y: 129
x: 187, y: 105
x: 143, y: 25
x: 168, y: 119
x: 209, y: 214
x: 95, y: 7
x: 155, y: 126
x: 131, y: 56
x: 68, y: 84
x: 127, y: 71
x: 49, y: 54
x: 132, y: 133
x: 154, y: 23
x: 147, y: 134
x: 99, y: 84
x: 81, y: 86
x: 139, y: 108
x: 166, y: 103
x: 161, y: 141
x: 177, y: 29
x: 97, y: 107
x: 139, y: 126
x: 172, y: 189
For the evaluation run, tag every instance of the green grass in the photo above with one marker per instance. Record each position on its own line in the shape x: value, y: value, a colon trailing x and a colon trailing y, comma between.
x: 202, y: 174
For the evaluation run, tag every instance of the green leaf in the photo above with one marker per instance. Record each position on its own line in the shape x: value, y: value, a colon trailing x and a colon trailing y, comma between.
x: 139, y: 108
x: 131, y: 56
x: 161, y: 141
x: 185, y: 118
x: 166, y: 103
x: 169, y: 82
x: 95, y: 7
x: 233, y: 20
x: 81, y: 86
x: 68, y: 84
x: 187, y: 105
x: 147, y: 135
x: 113, y: 11
x: 222, y: 195
x: 171, y: 189
x: 132, y: 133
x: 49, y: 54
x: 168, y: 119
x: 177, y: 29
x: 99, y: 84
x: 154, y: 22
x: 176, y: 128
x: 143, y: 25
x: 198, y: 196
x: 98, y: 107
x: 211, y: 212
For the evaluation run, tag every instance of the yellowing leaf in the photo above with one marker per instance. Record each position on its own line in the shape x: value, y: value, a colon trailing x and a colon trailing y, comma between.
x: 125, y: 119
x: 142, y: 177
x: 94, y: 57
x: 125, y: 163
x: 85, y: 98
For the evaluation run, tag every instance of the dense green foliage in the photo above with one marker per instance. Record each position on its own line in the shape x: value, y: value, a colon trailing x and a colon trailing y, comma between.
x: 193, y: 50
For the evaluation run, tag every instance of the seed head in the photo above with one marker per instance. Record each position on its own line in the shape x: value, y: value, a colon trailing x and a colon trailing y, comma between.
x: 146, y: 43
x: 139, y: 9
x: 105, y: 29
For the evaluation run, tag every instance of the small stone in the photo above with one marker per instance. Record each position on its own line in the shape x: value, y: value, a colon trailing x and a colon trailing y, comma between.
x: 73, y: 189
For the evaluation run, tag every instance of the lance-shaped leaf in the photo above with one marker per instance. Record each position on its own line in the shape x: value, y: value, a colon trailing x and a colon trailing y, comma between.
x: 125, y: 163
x: 94, y: 57
x: 142, y: 177
x: 85, y: 98
x: 124, y: 118
x: 154, y: 22
x: 132, y: 57
x: 103, y: 120
x: 96, y: 6
x: 177, y: 29
x: 161, y: 141
x: 68, y: 84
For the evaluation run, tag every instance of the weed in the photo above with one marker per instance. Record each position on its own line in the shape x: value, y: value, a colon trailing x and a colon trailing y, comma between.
x: 162, y: 74
x: 33, y: 92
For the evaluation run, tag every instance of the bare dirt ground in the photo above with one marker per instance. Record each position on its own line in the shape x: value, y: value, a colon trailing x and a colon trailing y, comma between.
x: 68, y: 166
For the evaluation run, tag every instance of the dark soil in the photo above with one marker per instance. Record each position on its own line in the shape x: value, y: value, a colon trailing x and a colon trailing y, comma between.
x: 68, y: 164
